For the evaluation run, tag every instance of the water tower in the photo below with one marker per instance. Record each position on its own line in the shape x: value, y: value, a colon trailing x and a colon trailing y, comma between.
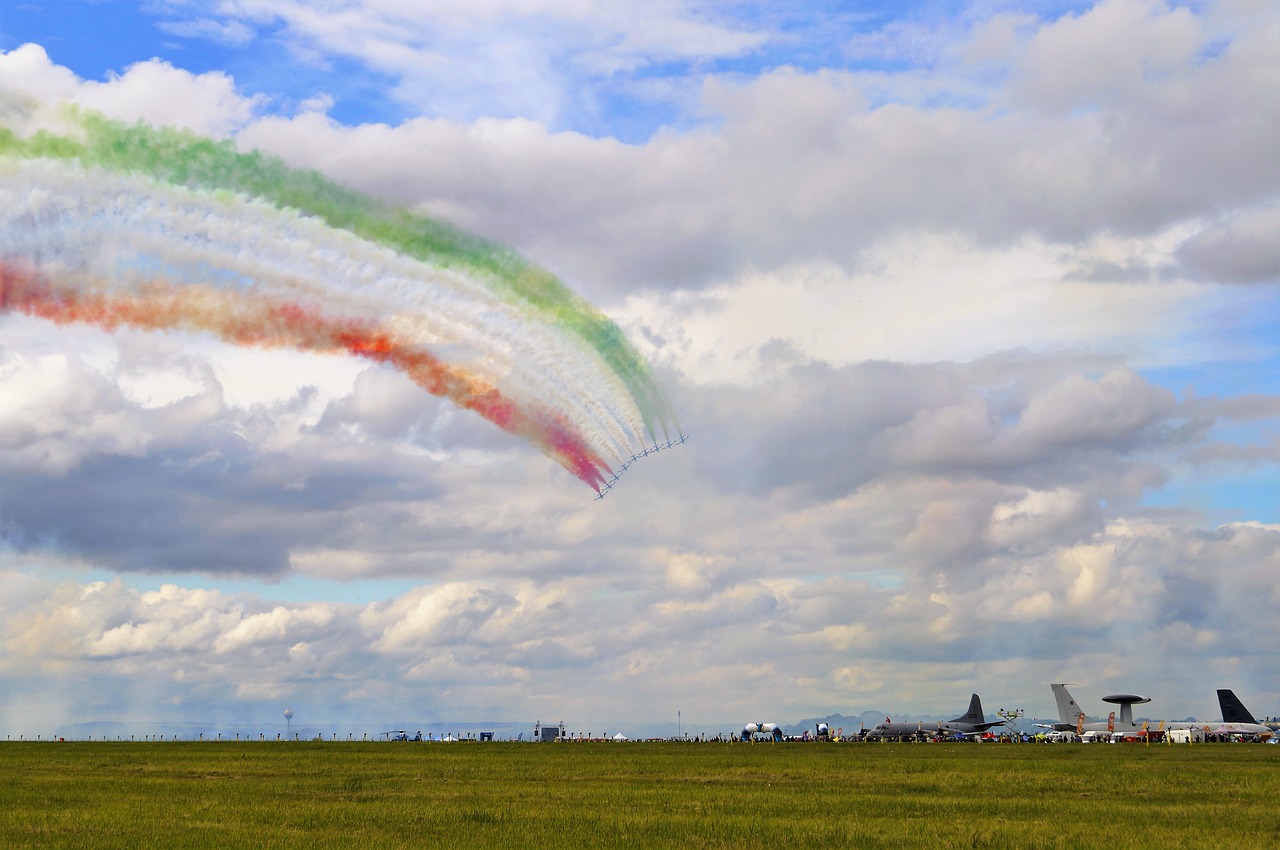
x: 288, y: 722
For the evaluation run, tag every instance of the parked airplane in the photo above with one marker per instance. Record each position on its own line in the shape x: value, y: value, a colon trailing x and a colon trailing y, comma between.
x: 1072, y: 719
x: 972, y: 722
x: 1236, y: 719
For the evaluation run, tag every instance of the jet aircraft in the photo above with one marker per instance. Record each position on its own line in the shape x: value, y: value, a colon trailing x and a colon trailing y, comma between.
x: 1072, y: 719
x: 1236, y: 719
x: 972, y: 722
x: 654, y: 449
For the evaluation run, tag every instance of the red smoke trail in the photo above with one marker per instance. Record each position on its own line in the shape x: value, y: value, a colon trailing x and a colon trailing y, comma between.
x: 246, y: 319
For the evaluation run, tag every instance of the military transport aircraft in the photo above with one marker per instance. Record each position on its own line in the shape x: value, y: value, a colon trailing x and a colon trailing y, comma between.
x: 972, y: 722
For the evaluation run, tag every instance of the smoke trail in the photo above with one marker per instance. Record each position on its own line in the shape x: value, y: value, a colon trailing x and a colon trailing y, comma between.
x: 158, y: 229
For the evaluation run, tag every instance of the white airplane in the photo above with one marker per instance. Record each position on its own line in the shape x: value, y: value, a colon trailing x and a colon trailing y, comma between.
x: 1236, y: 719
x: 1072, y: 719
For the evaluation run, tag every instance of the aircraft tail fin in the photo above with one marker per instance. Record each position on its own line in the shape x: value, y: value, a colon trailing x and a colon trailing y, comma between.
x: 1233, y: 710
x: 1068, y: 711
x: 974, y: 714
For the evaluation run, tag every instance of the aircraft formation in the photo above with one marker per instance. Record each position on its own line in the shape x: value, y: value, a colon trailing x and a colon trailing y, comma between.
x: 626, y: 464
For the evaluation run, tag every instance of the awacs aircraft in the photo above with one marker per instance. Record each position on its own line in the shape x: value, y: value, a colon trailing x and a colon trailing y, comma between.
x: 972, y: 722
x: 1072, y: 719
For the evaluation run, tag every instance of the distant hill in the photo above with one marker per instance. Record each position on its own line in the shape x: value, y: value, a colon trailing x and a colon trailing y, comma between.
x: 866, y: 719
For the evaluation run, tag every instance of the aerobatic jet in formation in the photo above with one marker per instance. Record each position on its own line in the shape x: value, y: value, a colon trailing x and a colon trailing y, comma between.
x: 654, y: 449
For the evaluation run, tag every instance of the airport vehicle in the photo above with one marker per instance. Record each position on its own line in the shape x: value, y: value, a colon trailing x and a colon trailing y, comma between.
x: 972, y: 722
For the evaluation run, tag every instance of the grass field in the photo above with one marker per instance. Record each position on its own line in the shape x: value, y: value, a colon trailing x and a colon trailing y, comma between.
x: 373, y: 795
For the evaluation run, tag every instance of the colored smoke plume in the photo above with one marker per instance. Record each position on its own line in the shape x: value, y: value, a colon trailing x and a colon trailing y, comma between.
x: 114, y: 225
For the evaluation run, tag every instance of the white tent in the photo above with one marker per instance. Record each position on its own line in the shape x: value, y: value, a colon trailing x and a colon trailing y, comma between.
x: 620, y: 737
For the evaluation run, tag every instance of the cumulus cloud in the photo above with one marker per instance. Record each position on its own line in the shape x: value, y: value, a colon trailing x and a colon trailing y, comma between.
x: 1124, y: 584
x: 278, y: 626
x: 152, y: 91
x: 1106, y: 53
x: 793, y: 163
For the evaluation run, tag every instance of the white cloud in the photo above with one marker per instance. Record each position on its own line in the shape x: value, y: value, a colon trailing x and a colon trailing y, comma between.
x: 443, y: 616
x: 1035, y: 516
x: 1108, y: 53
x: 466, y: 59
x: 35, y: 438
x: 277, y: 626
x: 1078, y: 410
x: 235, y: 33
x: 28, y: 71
x: 523, y: 646
x: 152, y: 91
x: 804, y: 169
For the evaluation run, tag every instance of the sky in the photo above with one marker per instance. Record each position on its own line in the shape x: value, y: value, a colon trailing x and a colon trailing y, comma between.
x: 971, y: 312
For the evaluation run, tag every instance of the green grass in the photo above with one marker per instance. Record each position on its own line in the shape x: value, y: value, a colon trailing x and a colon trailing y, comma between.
x: 371, y: 795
